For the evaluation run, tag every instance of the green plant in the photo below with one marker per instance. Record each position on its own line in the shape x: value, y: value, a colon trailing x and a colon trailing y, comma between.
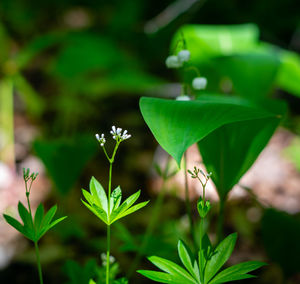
x: 108, y: 208
x: 33, y: 228
x: 226, y: 129
x: 205, y: 267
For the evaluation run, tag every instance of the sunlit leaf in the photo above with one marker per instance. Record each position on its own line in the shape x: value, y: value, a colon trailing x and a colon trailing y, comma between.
x: 201, y: 117
x: 219, y: 256
x: 237, y: 272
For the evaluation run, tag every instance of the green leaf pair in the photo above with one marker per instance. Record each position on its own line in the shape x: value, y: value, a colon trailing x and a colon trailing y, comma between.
x: 206, y: 270
x: 97, y: 202
x: 34, y: 229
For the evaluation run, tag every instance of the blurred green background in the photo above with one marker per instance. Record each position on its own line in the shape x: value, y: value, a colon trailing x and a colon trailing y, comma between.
x: 79, y: 67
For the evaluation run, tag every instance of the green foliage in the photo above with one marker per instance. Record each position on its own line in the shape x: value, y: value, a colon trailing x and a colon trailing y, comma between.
x: 91, y: 273
x: 65, y: 159
x: 214, y: 259
x: 236, y: 144
x: 201, y: 117
x: 281, y: 234
x: 235, y: 52
x: 34, y: 229
x: 97, y: 202
x: 252, y: 74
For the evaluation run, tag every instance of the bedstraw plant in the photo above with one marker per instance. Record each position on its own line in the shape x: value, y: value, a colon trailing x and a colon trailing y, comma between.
x: 108, y: 207
x: 204, y: 266
x: 33, y: 228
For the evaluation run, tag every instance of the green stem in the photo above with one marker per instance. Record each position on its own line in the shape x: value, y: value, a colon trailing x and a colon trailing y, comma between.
x: 38, y: 262
x: 220, y: 224
x: 201, y: 256
x: 7, y: 154
x: 187, y: 200
x: 108, y: 226
x: 107, y: 254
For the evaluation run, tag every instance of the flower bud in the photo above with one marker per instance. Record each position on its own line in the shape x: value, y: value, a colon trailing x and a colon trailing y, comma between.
x: 199, y: 83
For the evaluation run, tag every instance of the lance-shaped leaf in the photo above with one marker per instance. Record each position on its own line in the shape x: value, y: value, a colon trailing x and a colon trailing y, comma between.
x: 126, y: 207
x: 219, y: 256
x: 237, y: 272
x: 176, y: 125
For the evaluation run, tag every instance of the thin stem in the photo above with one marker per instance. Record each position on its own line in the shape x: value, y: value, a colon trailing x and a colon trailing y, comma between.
x: 38, y: 262
x: 187, y: 200
x: 220, y: 224
x: 108, y: 254
x: 108, y: 226
x: 201, y: 262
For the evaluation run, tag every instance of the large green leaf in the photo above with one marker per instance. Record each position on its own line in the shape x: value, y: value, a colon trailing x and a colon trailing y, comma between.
x: 229, y: 151
x: 176, y: 125
x: 206, y: 41
x: 252, y: 74
x: 289, y: 73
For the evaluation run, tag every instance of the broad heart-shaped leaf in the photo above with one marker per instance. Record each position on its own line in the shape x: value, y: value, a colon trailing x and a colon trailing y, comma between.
x: 237, y: 272
x: 173, y: 269
x: 219, y: 256
x: 176, y: 125
x: 229, y: 151
x: 252, y: 74
x: 205, y: 41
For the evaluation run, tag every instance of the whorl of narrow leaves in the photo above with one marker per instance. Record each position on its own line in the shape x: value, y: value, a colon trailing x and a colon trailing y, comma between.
x: 34, y: 229
x: 214, y: 259
x: 97, y: 202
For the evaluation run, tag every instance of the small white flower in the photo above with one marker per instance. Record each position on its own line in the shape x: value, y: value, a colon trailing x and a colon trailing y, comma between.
x: 101, y: 139
x: 184, y: 55
x: 183, y: 98
x: 117, y: 134
x: 173, y: 61
x: 199, y: 83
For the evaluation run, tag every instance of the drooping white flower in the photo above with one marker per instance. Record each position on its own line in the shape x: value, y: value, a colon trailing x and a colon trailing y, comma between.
x: 101, y: 139
x: 173, y: 61
x: 199, y: 83
x: 184, y: 55
x: 183, y: 98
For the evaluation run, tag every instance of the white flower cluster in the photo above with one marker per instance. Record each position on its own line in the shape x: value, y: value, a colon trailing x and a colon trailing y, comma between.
x: 176, y: 61
x: 101, y: 139
x: 117, y: 134
x: 104, y: 260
